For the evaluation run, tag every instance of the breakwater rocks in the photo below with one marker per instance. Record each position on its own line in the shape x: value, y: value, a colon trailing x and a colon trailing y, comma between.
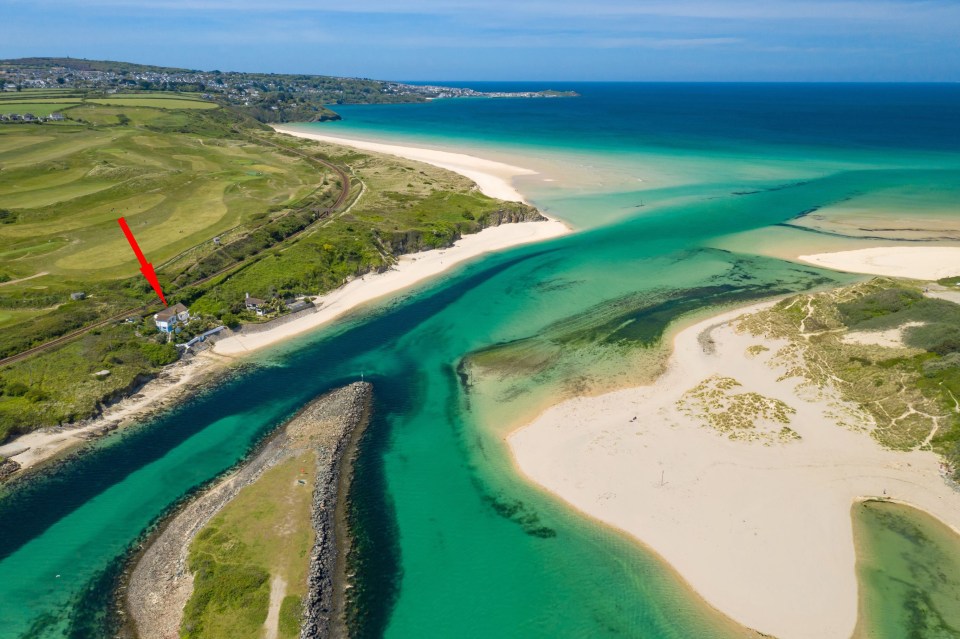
x: 160, y: 583
x: 323, y: 614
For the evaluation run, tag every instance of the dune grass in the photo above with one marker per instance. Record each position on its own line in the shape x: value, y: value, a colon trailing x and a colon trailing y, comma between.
x: 906, y: 394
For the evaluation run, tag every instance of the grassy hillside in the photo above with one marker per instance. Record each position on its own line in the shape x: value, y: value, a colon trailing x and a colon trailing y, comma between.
x: 183, y: 172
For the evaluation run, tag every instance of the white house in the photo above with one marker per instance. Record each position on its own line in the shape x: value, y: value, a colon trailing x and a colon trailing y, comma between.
x: 168, y: 318
x: 254, y: 304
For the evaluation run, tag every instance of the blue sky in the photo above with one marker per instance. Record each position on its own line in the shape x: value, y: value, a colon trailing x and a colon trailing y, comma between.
x: 717, y: 40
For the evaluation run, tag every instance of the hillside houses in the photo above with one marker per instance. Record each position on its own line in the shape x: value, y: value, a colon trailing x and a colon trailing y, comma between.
x: 29, y: 117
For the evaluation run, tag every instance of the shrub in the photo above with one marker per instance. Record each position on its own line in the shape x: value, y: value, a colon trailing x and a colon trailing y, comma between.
x: 160, y: 354
x: 878, y: 304
x: 941, y: 339
x: 230, y: 320
x: 16, y: 389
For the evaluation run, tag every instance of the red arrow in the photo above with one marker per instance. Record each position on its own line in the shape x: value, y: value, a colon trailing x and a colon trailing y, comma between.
x: 145, y: 267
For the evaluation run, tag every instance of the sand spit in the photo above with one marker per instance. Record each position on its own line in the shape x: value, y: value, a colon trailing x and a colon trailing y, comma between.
x: 493, y: 178
x: 160, y: 583
x: 757, y: 521
x: 915, y: 262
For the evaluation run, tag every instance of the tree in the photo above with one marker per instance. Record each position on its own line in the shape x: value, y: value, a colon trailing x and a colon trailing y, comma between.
x: 61, y: 80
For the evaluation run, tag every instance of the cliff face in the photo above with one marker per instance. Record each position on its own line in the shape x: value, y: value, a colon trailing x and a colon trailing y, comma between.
x: 522, y: 213
x: 414, y: 241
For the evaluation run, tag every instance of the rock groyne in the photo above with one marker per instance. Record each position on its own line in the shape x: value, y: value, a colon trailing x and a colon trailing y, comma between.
x: 323, y: 606
x: 160, y: 583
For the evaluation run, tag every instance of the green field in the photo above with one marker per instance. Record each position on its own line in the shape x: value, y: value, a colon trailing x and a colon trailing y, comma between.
x: 182, y: 177
x: 43, y: 102
x: 176, y: 190
x: 39, y: 109
x: 166, y: 102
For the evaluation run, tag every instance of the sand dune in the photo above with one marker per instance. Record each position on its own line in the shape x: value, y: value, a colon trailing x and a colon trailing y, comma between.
x: 761, y: 529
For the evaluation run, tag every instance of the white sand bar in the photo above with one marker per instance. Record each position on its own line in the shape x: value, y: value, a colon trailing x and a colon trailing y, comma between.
x: 493, y: 178
x: 916, y: 262
x: 762, y: 531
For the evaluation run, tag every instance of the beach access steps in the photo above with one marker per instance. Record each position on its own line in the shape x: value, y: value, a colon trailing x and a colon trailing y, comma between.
x: 202, y: 337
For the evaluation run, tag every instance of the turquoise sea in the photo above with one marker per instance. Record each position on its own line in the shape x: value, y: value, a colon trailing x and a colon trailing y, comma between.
x: 675, y: 189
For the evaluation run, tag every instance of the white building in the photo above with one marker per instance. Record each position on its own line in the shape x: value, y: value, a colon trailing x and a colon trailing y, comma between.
x: 168, y: 318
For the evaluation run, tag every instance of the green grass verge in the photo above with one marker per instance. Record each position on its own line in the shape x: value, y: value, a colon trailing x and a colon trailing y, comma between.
x: 266, y: 531
x: 165, y: 102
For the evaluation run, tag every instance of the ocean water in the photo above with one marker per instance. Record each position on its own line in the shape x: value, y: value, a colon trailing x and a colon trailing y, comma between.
x: 451, y: 541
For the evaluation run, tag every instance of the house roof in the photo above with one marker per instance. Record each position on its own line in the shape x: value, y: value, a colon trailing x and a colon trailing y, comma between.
x: 169, y: 312
x: 253, y: 301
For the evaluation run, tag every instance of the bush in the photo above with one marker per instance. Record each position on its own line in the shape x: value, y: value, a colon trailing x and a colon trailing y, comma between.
x: 230, y: 320
x: 16, y: 389
x: 160, y: 354
x: 941, y: 339
x: 36, y: 395
x: 878, y: 304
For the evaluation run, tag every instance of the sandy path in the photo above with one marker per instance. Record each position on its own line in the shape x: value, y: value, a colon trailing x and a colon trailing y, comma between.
x: 24, y: 279
x: 762, y: 530
x: 278, y: 590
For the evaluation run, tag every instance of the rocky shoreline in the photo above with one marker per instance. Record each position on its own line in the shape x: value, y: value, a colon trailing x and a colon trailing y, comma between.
x: 160, y: 584
x: 324, y: 605
x: 46, y: 447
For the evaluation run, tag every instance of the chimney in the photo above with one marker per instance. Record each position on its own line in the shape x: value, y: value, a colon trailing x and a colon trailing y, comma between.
x: 248, y: 295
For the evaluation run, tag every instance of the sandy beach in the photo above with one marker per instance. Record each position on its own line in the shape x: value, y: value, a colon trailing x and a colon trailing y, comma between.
x: 492, y: 178
x: 760, y: 528
x: 916, y: 262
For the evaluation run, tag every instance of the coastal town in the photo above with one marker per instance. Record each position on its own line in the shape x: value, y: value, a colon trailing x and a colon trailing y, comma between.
x: 269, y: 97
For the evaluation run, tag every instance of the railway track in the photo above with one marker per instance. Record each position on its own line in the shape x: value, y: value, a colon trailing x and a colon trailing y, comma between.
x: 147, y: 308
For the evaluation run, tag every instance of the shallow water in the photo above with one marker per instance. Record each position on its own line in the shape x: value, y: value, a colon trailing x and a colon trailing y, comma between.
x: 451, y: 541
x: 909, y: 569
